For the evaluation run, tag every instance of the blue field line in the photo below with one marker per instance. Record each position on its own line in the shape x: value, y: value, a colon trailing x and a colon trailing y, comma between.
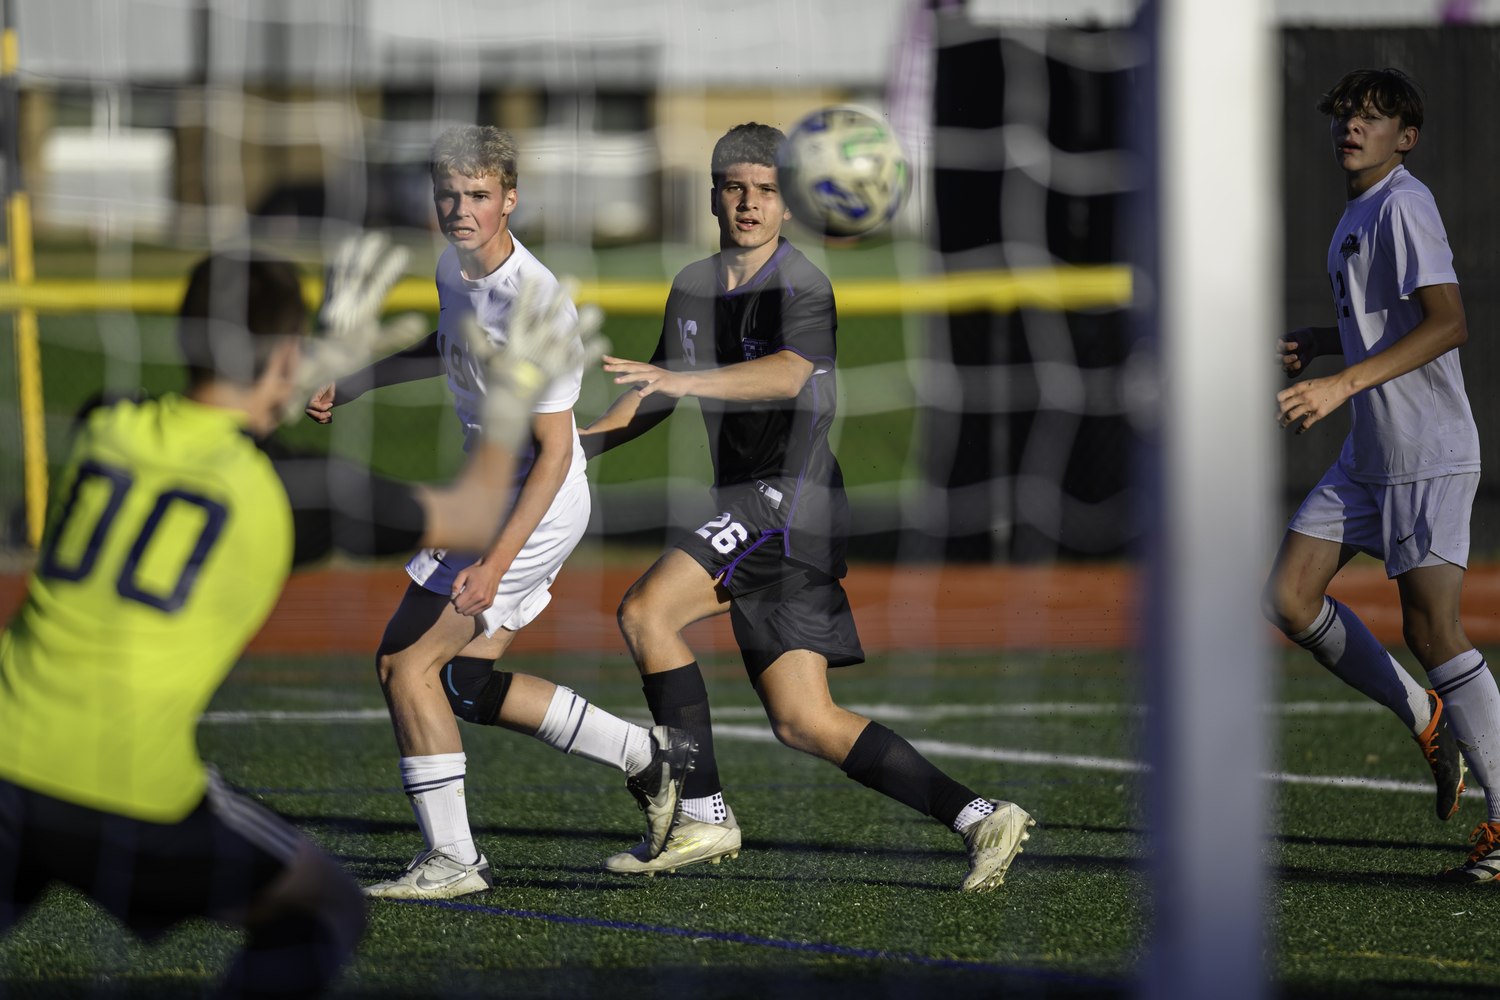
x: 779, y: 786
x: 734, y: 937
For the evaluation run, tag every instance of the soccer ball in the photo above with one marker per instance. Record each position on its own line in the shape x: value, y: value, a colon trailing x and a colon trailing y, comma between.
x: 843, y: 172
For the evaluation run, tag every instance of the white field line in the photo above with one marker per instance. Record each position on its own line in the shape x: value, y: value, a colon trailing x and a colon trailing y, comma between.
x: 929, y: 713
x: 1367, y: 784
x: 932, y: 713
x: 942, y: 748
x: 1326, y: 707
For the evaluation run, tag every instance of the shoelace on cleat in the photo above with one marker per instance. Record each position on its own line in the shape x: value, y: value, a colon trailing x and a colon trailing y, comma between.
x: 1486, y: 837
x: 1430, y: 750
x: 1429, y: 747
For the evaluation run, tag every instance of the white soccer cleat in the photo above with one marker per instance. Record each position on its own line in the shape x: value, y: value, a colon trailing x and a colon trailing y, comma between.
x: 691, y: 843
x: 993, y: 843
x: 432, y: 875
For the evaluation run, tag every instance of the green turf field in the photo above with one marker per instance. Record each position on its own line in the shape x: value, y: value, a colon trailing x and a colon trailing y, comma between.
x: 839, y: 892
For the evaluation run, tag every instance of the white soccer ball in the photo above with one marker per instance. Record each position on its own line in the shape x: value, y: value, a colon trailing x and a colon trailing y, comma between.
x: 843, y: 172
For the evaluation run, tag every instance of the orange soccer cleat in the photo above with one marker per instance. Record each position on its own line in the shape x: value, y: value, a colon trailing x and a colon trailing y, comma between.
x: 1484, y: 861
x: 1441, y: 751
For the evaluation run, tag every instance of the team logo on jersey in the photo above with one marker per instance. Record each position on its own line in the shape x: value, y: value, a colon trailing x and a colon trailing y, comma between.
x: 1350, y: 246
x: 686, y: 331
x: 755, y: 348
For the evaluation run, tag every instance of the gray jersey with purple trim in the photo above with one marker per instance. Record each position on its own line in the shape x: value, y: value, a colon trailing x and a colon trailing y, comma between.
x: 777, y: 448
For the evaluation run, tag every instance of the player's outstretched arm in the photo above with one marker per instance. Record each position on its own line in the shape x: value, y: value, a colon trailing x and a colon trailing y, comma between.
x: 544, y: 341
x: 656, y: 390
x: 1298, y: 349
x: 775, y: 376
x: 1443, y: 328
x: 627, y: 418
x: 419, y: 361
x: 364, y: 269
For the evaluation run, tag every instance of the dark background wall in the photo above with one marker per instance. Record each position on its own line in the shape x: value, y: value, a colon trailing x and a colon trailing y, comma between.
x: 1457, y: 156
x: 1020, y: 477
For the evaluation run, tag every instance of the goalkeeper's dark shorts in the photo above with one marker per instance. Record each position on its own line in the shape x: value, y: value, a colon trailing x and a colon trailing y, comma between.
x: 213, y: 863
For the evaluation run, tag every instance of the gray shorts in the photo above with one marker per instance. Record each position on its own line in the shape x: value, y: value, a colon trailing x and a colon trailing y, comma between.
x: 1407, y: 525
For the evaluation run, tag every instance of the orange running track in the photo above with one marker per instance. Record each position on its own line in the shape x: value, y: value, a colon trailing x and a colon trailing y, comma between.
x: 1074, y: 607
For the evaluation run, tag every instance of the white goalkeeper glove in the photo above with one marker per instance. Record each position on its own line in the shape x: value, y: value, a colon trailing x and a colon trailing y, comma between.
x: 542, y: 342
x: 361, y: 276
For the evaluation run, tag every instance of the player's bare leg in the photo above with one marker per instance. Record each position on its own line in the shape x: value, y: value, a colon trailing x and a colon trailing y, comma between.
x: 1430, y: 622
x: 794, y: 691
x: 1471, y: 702
x: 423, y: 636
x: 673, y: 594
x: 436, y: 666
x: 1299, y: 578
x: 1295, y: 601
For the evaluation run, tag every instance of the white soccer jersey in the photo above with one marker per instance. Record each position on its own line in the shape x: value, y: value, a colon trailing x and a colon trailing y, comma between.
x: 489, y: 299
x: 1389, y: 243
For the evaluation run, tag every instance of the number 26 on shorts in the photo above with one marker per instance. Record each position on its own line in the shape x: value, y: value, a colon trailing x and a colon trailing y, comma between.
x: 731, y: 533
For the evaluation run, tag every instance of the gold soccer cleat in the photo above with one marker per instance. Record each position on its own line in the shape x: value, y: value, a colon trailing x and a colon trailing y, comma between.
x: 691, y: 843
x: 993, y: 843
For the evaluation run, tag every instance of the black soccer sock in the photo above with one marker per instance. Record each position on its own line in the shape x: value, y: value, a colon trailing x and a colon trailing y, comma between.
x: 677, y: 698
x: 475, y: 689
x: 882, y: 760
x: 296, y: 956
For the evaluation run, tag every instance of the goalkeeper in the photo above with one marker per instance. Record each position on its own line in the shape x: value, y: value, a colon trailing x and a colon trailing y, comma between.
x: 167, y: 544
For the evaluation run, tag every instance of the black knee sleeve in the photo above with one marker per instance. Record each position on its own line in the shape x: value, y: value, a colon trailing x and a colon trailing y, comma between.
x: 475, y: 689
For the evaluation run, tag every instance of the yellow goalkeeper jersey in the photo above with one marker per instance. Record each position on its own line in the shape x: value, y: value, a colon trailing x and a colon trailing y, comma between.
x: 169, y: 538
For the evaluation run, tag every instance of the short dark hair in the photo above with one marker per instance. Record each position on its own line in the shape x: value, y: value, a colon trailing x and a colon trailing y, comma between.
x: 1389, y: 91
x: 747, y: 143
x: 238, y: 307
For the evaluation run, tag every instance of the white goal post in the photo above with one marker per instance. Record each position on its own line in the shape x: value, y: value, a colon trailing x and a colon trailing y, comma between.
x: 1217, y: 303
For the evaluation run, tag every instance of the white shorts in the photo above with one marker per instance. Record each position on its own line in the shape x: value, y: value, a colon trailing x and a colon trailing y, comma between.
x: 1407, y: 525
x: 524, y: 589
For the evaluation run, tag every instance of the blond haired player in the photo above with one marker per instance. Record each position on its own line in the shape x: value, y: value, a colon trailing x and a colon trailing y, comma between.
x: 463, y: 608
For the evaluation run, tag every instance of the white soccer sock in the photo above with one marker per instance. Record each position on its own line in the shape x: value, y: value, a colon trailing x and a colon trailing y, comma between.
x: 973, y: 813
x: 1341, y: 642
x: 435, y: 785
x: 706, y: 809
x: 1471, y: 703
x: 574, y: 726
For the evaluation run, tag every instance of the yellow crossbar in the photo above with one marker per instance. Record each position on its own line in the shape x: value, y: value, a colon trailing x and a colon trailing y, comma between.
x: 1050, y: 288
